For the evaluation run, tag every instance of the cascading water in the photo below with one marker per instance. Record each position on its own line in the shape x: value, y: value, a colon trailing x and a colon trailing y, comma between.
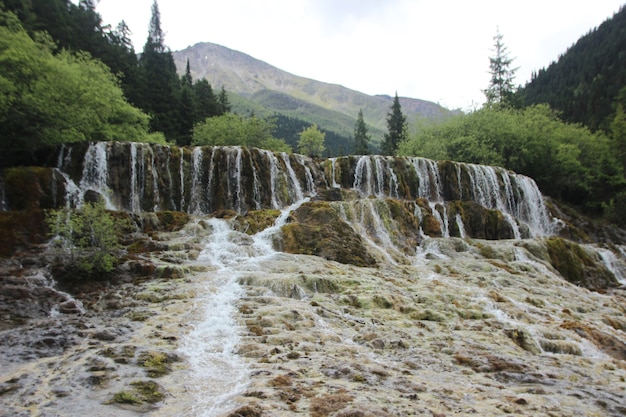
x: 218, y: 373
x: 95, y: 172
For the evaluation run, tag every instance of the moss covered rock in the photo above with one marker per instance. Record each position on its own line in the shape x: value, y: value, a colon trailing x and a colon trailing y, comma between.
x: 577, y: 266
x: 316, y: 229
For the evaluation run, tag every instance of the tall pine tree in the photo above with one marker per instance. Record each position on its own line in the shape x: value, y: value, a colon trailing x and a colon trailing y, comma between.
x: 161, y: 90
x: 397, y: 128
x: 500, y: 88
x: 361, y: 138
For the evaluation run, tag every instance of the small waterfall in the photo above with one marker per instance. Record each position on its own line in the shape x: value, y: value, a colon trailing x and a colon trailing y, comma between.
x: 441, y: 217
x: 614, y: 264
x: 195, y: 200
x: 135, y: 205
x: 182, y: 181
x: 217, y: 372
x: 363, y: 181
x: 310, y: 182
x: 295, y: 191
x: 209, y: 186
x: 95, y: 172
x: 428, y: 176
x: 256, y: 185
x: 460, y: 226
x: 365, y: 219
x: 155, y: 181
x: 334, y: 183
x: 273, y: 164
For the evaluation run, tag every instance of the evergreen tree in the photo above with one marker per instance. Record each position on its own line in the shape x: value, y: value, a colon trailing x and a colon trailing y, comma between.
x: 204, y: 101
x: 223, y: 104
x: 396, y: 128
x: 186, y: 107
x: 160, y: 90
x: 500, y: 88
x: 361, y: 138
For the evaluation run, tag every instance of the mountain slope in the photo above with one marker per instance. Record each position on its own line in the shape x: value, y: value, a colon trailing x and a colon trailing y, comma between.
x: 585, y: 80
x: 283, y: 92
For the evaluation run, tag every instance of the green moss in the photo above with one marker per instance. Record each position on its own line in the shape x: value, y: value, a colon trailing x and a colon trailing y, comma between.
x: 149, y: 391
x: 124, y: 397
x: 257, y: 220
x: 157, y: 363
x: 576, y: 266
x: 318, y: 230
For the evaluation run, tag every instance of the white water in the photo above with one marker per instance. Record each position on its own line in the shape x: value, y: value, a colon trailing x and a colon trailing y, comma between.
x: 95, y: 172
x: 217, y: 373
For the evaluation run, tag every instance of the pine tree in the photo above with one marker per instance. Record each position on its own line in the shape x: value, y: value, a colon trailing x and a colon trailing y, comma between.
x: 186, y: 108
x: 361, y: 138
x: 223, y: 104
x: 160, y: 90
x: 500, y: 88
x: 204, y: 101
x: 396, y: 128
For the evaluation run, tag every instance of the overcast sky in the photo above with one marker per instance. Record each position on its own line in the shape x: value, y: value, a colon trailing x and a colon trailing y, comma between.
x: 432, y: 50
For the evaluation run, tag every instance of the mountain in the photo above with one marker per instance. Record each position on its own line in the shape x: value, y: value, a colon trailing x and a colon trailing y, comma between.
x: 331, y: 106
x: 585, y: 81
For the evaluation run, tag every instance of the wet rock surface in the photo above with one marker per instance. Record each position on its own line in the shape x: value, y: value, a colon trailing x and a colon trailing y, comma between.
x: 457, y: 327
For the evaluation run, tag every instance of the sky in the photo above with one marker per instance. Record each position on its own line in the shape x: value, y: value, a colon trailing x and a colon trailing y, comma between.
x: 432, y: 50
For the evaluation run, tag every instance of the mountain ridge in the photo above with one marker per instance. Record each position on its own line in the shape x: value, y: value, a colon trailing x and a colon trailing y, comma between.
x: 249, y: 77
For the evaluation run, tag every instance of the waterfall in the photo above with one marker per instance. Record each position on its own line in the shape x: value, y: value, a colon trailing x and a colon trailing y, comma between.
x: 363, y: 177
x: 295, y: 191
x: 195, y: 200
x: 334, y: 183
x: 95, y: 172
x: 243, y: 179
x: 460, y: 226
x: 217, y: 372
x: 428, y: 176
x: 182, y: 181
x: 271, y: 159
x: 135, y: 205
x: 614, y: 264
x: 310, y: 182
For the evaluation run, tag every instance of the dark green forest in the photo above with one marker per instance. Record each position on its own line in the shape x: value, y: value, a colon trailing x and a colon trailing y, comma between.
x: 583, y: 84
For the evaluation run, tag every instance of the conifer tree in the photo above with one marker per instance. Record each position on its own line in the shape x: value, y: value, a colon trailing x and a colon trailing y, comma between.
x: 361, y: 138
x: 500, y: 88
x: 396, y: 128
x: 160, y: 91
x: 204, y: 101
x: 223, y: 104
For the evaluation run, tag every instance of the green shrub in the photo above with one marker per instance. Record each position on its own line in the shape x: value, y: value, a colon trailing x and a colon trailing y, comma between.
x: 85, y: 239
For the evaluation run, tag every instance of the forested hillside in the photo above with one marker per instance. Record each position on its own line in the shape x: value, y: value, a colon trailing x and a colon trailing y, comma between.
x: 585, y: 81
x: 566, y: 128
x: 60, y: 66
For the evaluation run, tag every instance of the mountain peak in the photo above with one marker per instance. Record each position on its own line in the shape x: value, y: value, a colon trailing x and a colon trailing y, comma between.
x: 249, y: 77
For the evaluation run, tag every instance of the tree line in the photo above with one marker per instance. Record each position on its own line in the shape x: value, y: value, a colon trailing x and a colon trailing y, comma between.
x: 577, y: 163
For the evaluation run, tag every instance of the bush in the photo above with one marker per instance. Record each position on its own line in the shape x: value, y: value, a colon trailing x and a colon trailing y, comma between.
x: 85, y: 239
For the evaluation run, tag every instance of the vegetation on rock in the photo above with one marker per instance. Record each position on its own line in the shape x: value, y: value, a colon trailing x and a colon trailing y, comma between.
x: 85, y: 239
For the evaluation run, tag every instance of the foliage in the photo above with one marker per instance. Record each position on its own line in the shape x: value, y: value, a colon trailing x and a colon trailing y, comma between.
x: 568, y: 162
x: 584, y: 82
x: 231, y: 129
x: 361, y: 138
x: 500, y: 87
x: 48, y: 99
x: 88, y: 236
x: 397, y: 130
x: 311, y: 141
